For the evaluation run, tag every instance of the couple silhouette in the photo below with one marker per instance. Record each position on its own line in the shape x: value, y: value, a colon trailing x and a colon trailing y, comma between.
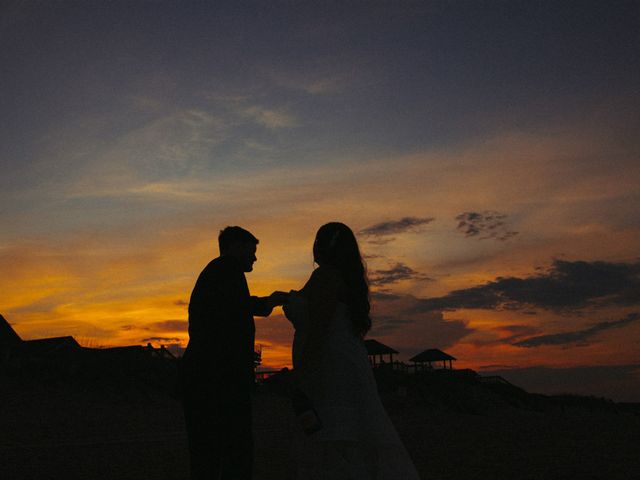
x: 349, y: 435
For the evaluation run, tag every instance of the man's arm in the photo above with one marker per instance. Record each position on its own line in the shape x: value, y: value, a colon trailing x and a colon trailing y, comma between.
x: 263, y: 306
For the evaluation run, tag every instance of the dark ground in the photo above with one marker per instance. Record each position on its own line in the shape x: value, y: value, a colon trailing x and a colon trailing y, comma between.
x: 127, y: 430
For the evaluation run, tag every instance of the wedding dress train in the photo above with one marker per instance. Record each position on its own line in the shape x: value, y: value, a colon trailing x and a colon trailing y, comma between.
x: 358, y: 440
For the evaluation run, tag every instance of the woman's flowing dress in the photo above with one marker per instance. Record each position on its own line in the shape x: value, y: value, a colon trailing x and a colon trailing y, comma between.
x: 358, y: 440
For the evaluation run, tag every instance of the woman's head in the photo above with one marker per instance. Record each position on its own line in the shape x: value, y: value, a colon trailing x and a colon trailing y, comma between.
x: 336, y: 245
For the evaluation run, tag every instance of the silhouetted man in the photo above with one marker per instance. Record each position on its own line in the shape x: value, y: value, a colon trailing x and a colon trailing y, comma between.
x: 218, y: 364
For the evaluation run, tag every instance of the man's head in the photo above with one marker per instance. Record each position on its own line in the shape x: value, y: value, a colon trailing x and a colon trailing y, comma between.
x: 238, y: 243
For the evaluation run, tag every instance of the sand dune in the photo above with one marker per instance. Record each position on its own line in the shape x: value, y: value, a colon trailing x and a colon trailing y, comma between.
x: 104, y: 431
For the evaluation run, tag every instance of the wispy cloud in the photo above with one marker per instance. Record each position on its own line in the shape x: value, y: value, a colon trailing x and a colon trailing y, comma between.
x: 161, y: 339
x: 128, y: 328
x: 317, y: 77
x: 381, y: 231
x: 576, y: 337
x: 270, y: 118
x: 484, y: 225
x: 396, y: 274
x: 504, y: 334
x: 169, y: 326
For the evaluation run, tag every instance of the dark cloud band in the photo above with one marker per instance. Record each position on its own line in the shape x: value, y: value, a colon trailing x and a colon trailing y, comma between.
x: 395, y: 274
x: 484, y: 225
x: 576, y: 337
x: 170, y: 326
x: 566, y: 286
x: 395, y: 226
x: 161, y: 339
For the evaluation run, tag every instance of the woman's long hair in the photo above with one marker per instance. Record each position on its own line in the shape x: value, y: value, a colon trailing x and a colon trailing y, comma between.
x: 336, y: 245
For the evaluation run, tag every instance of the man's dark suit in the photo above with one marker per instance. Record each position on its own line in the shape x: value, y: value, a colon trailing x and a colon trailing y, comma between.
x: 217, y: 371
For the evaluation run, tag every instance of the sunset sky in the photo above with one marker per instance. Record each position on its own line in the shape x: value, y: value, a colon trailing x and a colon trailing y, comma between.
x: 485, y: 153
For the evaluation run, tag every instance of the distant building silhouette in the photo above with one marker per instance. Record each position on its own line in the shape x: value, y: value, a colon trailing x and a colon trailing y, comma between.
x: 58, y: 354
x: 65, y: 356
x: 144, y: 362
x: 9, y: 339
x: 49, y: 346
x: 8, y: 335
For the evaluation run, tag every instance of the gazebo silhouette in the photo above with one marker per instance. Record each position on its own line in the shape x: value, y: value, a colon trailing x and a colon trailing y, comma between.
x: 377, y: 349
x: 425, y: 359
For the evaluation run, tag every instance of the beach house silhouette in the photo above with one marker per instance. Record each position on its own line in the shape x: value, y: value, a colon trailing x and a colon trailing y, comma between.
x: 65, y: 355
x: 9, y: 339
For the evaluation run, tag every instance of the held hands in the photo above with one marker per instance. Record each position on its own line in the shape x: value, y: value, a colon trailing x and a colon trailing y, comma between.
x: 277, y: 298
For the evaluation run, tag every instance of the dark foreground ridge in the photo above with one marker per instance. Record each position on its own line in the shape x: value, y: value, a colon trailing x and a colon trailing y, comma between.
x: 465, y: 391
x: 105, y: 419
x: 68, y: 412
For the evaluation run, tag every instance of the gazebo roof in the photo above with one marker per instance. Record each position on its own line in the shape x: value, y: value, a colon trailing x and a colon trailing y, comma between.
x: 432, y: 355
x: 376, y: 348
x: 8, y: 335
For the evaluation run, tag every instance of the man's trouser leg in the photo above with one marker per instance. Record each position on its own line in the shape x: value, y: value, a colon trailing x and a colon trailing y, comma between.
x: 220, y: 439
x: 205, y: 451
x: 237, y: 461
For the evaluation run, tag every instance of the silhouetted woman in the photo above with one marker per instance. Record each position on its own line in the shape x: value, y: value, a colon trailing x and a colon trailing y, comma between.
x: 331, y: 317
